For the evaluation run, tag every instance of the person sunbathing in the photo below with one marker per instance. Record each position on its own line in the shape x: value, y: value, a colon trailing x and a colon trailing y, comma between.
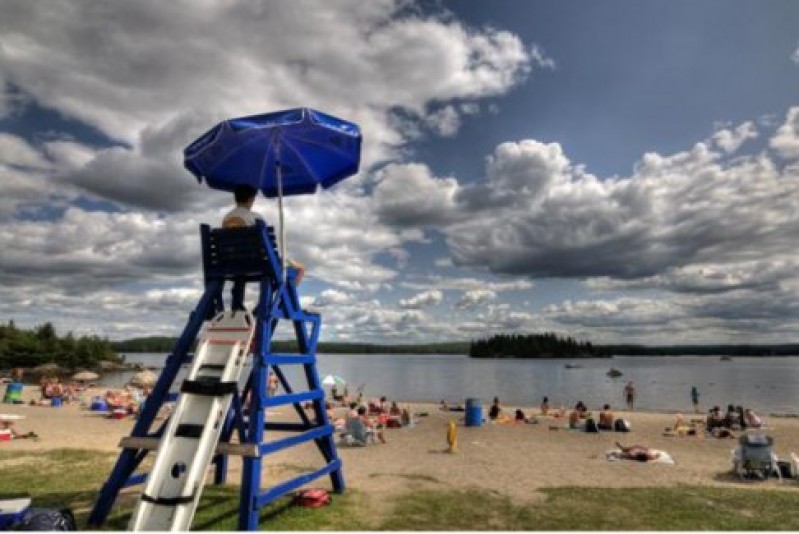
x: 752, y: 419
x: 638, y: 452
x: 605, y: 418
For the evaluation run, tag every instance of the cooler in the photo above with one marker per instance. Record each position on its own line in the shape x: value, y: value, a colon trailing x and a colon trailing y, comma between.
x: 12, y: 511
x: 474, y: 412
x: 56, y: 402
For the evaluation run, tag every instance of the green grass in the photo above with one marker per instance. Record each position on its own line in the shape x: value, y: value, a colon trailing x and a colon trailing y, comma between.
x: 73, y: 477
x: 569, y: 508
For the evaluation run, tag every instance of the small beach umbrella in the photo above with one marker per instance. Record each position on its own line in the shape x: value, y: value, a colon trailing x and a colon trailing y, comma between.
x: 283, y: 153
x: 46, y: 368
x: 333, y: 380
x: 144, y: 378
x: 84, y: 376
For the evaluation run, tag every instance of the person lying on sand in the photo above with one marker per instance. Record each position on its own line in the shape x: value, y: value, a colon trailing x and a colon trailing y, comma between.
x: 638, y: 452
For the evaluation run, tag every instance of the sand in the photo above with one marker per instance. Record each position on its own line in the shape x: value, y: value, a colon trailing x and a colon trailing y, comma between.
x: 514, y: 460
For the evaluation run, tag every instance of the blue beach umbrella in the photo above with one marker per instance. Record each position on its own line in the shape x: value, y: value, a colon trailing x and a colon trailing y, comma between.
x: 283, y: 153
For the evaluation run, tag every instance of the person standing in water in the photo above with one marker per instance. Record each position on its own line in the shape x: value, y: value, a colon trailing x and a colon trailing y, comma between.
x: 629, y: 395
x: 695, y: 398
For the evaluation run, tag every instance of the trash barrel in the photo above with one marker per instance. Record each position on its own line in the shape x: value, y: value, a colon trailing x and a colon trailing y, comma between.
x: 98, y: 405
x: 474, y: 412
x: 13, y: 393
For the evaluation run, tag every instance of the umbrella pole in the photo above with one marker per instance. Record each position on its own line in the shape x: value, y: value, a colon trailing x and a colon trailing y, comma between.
x: 280, y: 214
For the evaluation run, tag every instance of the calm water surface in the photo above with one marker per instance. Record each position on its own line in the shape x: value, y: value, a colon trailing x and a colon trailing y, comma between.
x: 662, y: 383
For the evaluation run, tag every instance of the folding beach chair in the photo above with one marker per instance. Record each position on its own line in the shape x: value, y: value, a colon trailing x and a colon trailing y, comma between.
x: 754, y: 458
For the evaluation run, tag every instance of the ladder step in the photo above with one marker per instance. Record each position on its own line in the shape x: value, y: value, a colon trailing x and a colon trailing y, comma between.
x: 211, y: 387
x: 316, y: 433
x: 212, y: 367
x: 289, y: 359
x: 249, y: 450
x: 186, y: 430
x: 167, y: 501
x: 293, y: 398
x: 285, y: 487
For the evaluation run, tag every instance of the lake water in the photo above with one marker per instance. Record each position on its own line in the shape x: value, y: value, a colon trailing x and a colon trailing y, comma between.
x: 662, y: 383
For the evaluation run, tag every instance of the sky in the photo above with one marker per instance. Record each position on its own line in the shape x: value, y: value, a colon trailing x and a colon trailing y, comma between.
x: 615, y: 171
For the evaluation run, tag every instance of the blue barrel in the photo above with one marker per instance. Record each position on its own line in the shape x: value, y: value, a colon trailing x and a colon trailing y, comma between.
x: 13, y: 393
x: 55, y: 402
x: 99, y: 405
x: 474, y: 411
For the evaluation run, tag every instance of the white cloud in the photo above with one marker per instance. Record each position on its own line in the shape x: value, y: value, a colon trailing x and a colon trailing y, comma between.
x: 409, y: 195
x: 475, y: 297
x: 422, y: 300
x: 795, y: 56
x: 786, y: 141
x: 332, y: 297
x: 731, y: 140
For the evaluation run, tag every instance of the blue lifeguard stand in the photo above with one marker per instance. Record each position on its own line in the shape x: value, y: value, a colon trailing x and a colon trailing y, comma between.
x: 246, y: 255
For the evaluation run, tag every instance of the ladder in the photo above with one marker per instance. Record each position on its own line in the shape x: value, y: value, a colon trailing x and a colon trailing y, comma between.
x: 189, y: 442
x: 208, y: 398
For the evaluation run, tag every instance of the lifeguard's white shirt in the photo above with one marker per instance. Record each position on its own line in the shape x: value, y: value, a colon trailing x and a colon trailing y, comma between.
x: 240, y: 216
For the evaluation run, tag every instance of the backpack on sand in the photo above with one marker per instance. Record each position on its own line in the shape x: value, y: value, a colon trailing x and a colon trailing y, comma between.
x: 621, y: 425
x: 591, y: 426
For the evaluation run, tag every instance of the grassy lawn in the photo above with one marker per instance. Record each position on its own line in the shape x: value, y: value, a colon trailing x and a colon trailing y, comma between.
x: 72, y: 478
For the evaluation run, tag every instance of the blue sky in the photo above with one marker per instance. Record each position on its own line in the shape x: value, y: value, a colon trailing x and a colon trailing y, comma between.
x: 615, y: 171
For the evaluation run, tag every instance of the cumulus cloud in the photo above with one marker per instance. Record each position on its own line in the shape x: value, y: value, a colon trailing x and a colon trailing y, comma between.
x: 540, y: 215
x: 330, y: 297
x: 422, y: 300
x: 795, y: 56
x: 786, y: 141
x: 731, y: 140
x: 409, y: 195
x: 368, y: 63
x: 475, y: 297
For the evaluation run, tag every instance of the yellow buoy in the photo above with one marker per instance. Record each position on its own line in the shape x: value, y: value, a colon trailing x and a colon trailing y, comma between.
x: 452, y: 437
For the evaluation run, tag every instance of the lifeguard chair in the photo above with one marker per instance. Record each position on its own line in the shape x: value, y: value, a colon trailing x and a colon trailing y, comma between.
x: 210, y: 422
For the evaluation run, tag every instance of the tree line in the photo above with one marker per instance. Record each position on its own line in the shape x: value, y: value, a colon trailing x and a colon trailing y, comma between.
x: 166, y: 344
x: 20, y: 347
x: 547, y: 345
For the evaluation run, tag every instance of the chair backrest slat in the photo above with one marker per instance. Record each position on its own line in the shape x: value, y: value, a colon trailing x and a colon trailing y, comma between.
x: 234, y: 253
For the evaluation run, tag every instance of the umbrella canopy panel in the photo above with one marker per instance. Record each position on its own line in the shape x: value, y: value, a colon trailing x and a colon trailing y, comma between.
x: 312, y: 148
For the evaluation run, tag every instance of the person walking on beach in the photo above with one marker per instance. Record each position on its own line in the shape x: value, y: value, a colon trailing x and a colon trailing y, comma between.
x: 695, y: 398
x: 629, y: 395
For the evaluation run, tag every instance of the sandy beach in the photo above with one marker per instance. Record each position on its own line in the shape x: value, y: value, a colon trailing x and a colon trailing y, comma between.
x: 512, y: 459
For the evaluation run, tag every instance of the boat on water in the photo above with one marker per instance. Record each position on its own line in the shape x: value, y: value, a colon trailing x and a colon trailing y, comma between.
x: 726, y: 358
x: 573, y: 366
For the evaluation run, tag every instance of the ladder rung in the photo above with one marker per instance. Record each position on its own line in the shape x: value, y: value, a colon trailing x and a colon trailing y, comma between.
x: 211, y: 387
x: 186, y: 430
x: 285, y: 487
x: 233, y: 449
x: 293, y: 398
x: 316, y: 433
x: 167, y: 501
x: 289, y: 359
